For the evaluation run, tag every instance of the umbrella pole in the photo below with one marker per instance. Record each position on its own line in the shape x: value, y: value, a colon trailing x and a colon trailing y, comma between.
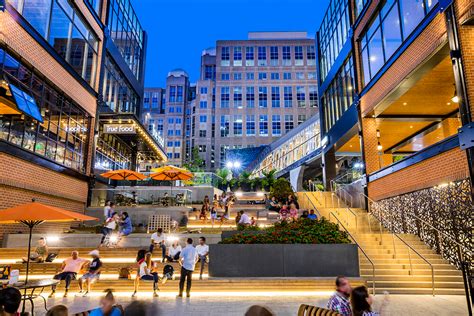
x: 30, y: 225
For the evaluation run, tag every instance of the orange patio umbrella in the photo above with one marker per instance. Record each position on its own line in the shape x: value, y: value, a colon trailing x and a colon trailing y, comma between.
x: 33, y: 214
x: 171, y: 173
x: 123, y: 174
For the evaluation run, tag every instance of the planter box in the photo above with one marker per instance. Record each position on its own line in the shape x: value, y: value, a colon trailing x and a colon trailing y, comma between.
x: 283, y: 260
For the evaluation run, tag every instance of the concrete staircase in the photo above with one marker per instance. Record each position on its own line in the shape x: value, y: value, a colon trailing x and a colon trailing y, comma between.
x: 399, y: 269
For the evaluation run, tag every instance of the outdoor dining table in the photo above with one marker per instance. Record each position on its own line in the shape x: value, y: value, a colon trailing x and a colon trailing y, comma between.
x: 32, y: 290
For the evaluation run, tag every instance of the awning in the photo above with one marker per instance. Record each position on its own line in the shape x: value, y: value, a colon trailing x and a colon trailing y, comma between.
x: 14, y: 100
x: 129, y: 129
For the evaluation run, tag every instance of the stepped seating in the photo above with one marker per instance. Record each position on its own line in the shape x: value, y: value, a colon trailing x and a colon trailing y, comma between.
x: 398, y: 270
x: 114, y: 259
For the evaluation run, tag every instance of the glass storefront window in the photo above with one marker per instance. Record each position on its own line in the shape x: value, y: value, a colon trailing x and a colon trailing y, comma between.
x: 63, y: 134
x: 387, y: 32
x: 53, y: 20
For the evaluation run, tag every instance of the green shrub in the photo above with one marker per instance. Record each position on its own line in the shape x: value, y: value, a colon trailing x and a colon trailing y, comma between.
x: 302, y: 231
x: 281, y: 189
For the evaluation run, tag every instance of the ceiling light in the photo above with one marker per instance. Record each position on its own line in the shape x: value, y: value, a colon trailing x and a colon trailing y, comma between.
x: 411, y: 126
x: 449, y: 103
x: 404, y: 103
x: 379, y: 146
x: 455, y: 99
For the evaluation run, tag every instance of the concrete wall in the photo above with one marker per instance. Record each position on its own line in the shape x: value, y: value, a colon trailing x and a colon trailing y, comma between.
x: 93, y: 240
x: 292, y: 260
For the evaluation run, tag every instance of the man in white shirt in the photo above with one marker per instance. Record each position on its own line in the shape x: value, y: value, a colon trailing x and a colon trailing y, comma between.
x: 203, y: 251
x: 158, y: 238
x: 244, y: 219
x: 174, y: 251
x: 188, y: 259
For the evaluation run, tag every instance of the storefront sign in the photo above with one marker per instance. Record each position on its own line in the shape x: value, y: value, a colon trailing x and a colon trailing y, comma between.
x: 76, y: 129
x: 119, y: 129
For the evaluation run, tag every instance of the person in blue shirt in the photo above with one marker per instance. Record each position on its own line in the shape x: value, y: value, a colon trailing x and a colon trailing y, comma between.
x: 188, y: 259
x: 107, y: 306
x: 311, y: 215
x: 125, y: 224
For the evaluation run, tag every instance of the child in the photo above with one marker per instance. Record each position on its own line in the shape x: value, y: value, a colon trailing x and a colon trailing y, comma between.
x: 213, y: 216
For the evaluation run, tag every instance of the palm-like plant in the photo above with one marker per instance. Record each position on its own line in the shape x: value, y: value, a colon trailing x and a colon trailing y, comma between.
x: 268, y: 179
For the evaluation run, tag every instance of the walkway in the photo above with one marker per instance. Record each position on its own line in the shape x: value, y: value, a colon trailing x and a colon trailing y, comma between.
x: 410, y: 305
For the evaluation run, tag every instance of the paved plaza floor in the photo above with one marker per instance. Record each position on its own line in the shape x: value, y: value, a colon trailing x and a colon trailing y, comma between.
x: 406, y: 305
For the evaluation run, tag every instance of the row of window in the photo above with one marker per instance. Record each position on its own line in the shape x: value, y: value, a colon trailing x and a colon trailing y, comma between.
x: 260, y: 127
x: 63, y: 134
x: 59, y: 23
x: 126, y: 33
x: 176, y: 94
x: 278, y: 97
x: 277, y: 55
x: 225, y: 76
x: 395, y: 21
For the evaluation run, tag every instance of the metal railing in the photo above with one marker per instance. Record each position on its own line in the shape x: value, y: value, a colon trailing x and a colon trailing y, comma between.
x: 360, y: 248
x: 305, y: 194
x: 133, y: 196
x: 395, y: 235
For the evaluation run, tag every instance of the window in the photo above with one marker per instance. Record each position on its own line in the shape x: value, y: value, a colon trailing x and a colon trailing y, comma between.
x: 202, y: 148
x: 262, y: 76
x: 177, y: 155
x: 225, y: 76
x: 298, y: 55
x: 225, y: 97
x: 275, y: 76
x: 237, y: 56
x: 250, y: 124
x: 237, y: 76
x: 262, y: 97
x: 203, y: 90
x: 210, y: 72
x: 286, y: 55
x: 310, y: 55
x: 313, y: 96
x: 288, y: 96
x: 169, y: 144
x: 276, y: 125
x: 249, y: 76
x: 171, y: 109
x: 288, y: 123
x: 177, y: 132
x: 385, y: 35
x: 263, y: 125
x: 179, y: 109
x: 225, y: 56
x: 238, y: 125
x: 238, y: 97
x: 202, y: 119
x: 170, y: 120
x: 300, y: 75
x: 179, y: 120
x: 172, y: 94
x: 301, y: 118
x: 262, y: 56
x: 287, y: 76
x: 300, y: 96
x: 177, y: 143
x: 249, y: 56
x: 169, y: 155
x: 275, y: 97
x: 312, y: 76
x: 170, y: 132
x: 250, y: 97
x: 154, y: 100
x: 202, y: 133
x: 274, y: 56
x: 96, y: 6
x: 203, y: 104
x: 225, y: 125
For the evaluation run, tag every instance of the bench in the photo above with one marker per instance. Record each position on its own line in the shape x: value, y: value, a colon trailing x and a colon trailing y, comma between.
x: 308, y: 310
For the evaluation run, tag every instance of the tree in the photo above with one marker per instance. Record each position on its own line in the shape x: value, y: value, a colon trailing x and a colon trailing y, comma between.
x: 268, y: 179
x: 281, y: 189
x: 196, y: 162
x: 222, y: 174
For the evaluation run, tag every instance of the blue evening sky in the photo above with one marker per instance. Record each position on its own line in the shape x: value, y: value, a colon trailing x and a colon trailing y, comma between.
x: 178, y: 30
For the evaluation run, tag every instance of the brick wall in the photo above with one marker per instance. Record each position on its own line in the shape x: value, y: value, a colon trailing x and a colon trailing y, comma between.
x: 21, y: 181
x: 446, y: 167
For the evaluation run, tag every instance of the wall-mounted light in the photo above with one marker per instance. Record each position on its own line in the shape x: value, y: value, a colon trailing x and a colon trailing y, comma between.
x: 455, y: 99
x: 379, y: 146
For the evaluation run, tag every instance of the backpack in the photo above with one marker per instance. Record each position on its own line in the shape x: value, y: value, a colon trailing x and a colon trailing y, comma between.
x: 168, y: 271
x: 51, y: 257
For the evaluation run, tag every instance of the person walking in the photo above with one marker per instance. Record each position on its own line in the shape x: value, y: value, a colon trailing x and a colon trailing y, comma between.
x: 188, y: 259
x: 69, y: 270
x: 203, y: 253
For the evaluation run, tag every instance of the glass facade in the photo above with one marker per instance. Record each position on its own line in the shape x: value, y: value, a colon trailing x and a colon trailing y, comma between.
x: 59, y: 23
x: 339, y: 95
x: 332, y: 35
x: 117, y: 93
x: 126, y: 33
x: 385, y: 34
x: 62, y: 136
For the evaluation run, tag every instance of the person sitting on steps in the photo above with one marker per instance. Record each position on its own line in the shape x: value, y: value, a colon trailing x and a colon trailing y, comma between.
x: 146, y: 271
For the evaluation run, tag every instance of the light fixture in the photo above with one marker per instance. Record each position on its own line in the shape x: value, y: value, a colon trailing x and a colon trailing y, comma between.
x: 229, y: 164
x: 379, y: 146
x: 455, y: 99
x: 404, y: 103
x: 378, y: 134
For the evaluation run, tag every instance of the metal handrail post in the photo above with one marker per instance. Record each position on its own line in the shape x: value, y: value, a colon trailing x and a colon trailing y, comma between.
x: 394, y: 250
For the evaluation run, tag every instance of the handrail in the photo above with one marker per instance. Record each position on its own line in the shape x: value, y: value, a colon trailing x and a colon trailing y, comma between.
x: 309, y: 199
x: 409, y: 248
x: 422, y: 257
x: 349, y: 209
x: 424, y: 222
x: 358, y: 246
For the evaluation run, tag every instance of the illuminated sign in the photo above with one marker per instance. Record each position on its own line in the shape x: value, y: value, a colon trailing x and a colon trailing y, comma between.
x: 76, y: 129
x: 119, y: 129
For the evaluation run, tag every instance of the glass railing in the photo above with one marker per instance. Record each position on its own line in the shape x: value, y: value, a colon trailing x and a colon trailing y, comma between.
x: 135, y: 196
